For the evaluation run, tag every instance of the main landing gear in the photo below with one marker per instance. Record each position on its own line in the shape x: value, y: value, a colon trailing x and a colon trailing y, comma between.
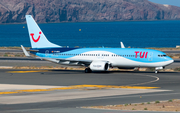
x: 87, y: 70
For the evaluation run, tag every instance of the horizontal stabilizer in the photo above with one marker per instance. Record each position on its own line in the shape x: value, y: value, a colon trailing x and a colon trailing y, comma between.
x: 25, y: 52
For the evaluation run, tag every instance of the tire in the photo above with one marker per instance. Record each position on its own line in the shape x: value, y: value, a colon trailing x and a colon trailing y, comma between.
x: 87, y: 70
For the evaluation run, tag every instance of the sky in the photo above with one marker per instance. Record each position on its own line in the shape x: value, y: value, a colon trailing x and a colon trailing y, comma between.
x: 169, y: 2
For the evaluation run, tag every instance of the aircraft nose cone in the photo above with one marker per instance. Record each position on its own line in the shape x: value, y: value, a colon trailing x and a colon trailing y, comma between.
x: 172, y: 61
x: 169, y: 62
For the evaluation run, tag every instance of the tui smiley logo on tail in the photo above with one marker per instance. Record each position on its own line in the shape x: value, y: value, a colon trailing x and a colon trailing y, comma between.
x: 35, y: 40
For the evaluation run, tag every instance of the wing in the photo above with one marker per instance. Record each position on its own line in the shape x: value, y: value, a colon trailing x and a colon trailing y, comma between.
x: 60, y: 60
x: 67, y: 61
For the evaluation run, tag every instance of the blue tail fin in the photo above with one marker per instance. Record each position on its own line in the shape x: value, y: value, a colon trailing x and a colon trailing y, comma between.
x: 37, y: 37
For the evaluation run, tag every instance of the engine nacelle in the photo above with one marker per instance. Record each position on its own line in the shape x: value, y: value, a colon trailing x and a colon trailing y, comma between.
x: 99, y: 66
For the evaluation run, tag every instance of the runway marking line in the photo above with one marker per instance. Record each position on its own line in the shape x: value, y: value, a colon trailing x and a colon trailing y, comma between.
x: 28, y: 71
x: 77, y: 87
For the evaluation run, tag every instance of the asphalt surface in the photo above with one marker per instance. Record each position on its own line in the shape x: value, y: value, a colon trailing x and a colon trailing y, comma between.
x: 20, y: 58
x: 10, y: 50
x: 169, y: 81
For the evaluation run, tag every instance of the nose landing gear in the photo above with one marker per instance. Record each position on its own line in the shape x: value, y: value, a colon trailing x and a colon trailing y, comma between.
x: 157, y: 69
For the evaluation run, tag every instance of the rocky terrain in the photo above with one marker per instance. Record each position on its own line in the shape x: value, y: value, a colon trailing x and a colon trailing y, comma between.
x: 14, y: 11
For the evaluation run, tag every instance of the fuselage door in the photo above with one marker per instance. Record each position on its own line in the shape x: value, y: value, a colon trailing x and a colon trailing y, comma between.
x: 47, y: 52
x: 150, y: 56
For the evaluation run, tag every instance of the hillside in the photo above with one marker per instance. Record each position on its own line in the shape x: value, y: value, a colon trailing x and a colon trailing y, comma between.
x: 14, y: 11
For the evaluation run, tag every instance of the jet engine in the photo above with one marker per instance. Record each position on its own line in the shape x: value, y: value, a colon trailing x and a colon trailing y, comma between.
x: 99, y: 66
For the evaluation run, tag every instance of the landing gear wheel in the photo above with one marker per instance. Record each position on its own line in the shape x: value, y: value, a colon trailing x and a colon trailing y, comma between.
x: 156, y: 71
x: 87, y: 70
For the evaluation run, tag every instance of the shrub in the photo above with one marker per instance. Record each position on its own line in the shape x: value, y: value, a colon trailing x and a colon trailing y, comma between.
x: 145, y: 109
x: 126, y: 104
x: 177, y: 69
x: 5, y: 55
x: 17, y: 55
x: 157, y: 102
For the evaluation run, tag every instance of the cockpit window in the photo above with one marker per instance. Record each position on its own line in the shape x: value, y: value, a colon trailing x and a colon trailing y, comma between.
x: 162, y: 55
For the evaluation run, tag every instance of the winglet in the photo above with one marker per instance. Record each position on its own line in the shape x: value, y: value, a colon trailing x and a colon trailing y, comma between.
x: 25, y: 52
x: 122, y: 45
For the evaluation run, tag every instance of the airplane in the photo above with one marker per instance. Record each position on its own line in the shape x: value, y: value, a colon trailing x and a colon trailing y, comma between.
x: 94, y: 59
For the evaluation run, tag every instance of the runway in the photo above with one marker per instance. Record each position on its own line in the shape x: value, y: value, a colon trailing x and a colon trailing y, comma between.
x: 66, y: 91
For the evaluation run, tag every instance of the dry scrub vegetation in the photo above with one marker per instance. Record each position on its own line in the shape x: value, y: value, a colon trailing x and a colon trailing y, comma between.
x: 170, y: 105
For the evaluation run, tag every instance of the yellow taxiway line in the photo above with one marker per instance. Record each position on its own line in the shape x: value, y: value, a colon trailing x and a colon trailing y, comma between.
x: 76, y: 87
x: 27, y: 71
